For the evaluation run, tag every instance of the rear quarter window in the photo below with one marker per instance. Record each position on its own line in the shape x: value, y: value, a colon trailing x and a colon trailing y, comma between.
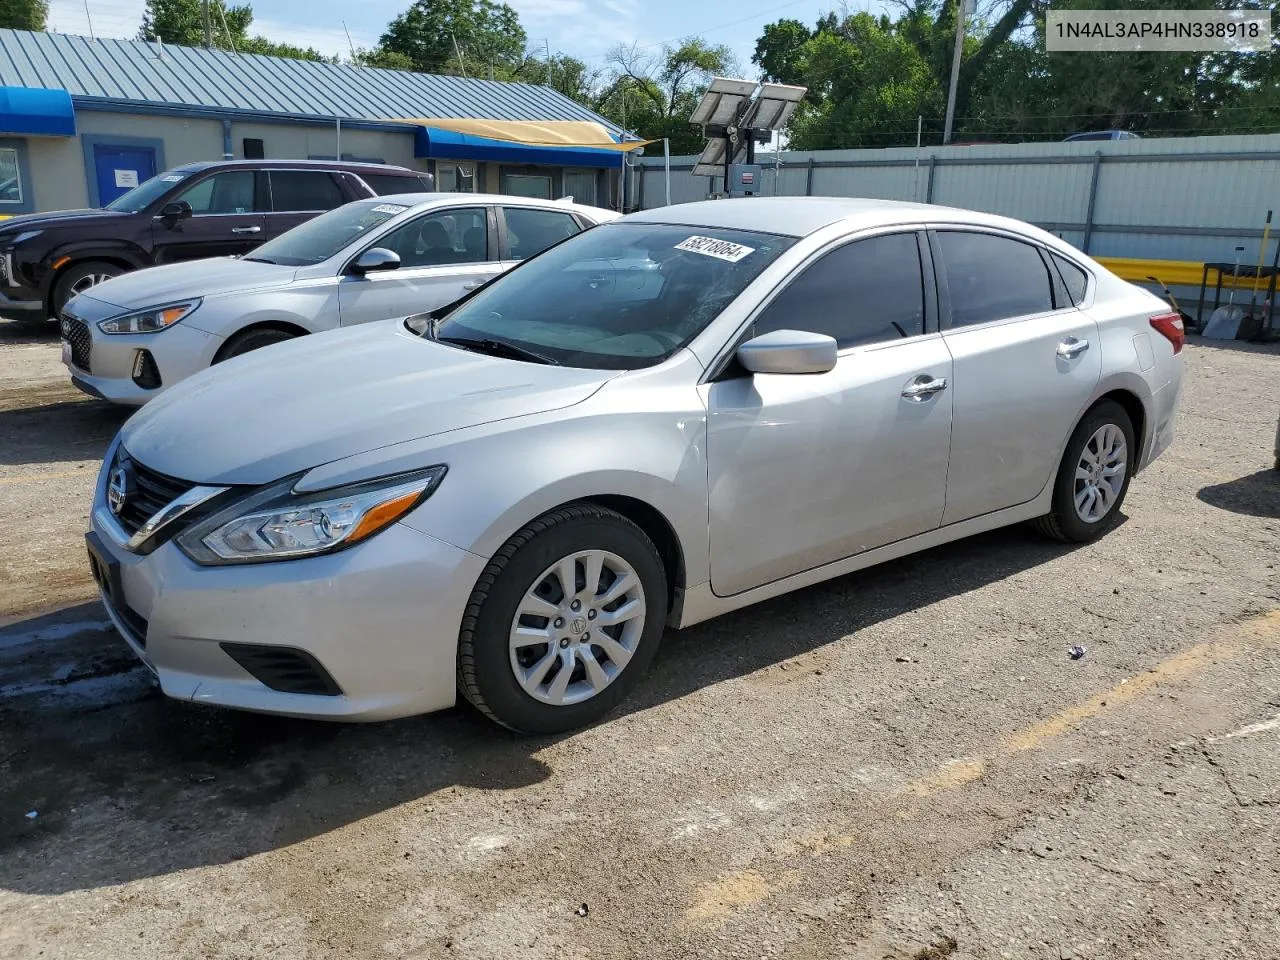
x: 1075, y: 279
x: 385, y: 183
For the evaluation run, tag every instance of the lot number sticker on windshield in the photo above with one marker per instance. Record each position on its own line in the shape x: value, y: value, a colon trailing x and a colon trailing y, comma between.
x: 171, y: 178
x: 390, y: 208
x: 711, y: 247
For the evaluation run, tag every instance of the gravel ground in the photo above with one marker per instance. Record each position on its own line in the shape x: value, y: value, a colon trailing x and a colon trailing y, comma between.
x: 903, y: 763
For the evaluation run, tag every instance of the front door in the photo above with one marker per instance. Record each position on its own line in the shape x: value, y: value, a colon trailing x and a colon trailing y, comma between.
x: 805, y: 470
x: 226, y: 218
x: 1026, y: 363
x: 443, y: 255
x: 118, y: 169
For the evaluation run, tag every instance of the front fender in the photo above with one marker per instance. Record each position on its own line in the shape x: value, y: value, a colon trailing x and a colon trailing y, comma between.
x: 313, y: 309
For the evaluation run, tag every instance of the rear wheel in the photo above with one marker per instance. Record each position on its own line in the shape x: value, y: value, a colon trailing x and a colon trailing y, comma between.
x: 1093, y: 477
x: 563, y: 621
x: 250, y: 340
x: 80, y: 277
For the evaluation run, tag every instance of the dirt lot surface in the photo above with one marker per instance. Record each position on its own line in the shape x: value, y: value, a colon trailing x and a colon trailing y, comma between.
x: 903, y: 763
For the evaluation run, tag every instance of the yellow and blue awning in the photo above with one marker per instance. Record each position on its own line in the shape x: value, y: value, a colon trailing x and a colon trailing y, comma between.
x: 36, y: 112
x: 569, y: 143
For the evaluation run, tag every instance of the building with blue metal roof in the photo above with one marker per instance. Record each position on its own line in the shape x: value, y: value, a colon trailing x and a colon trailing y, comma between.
x: 82, y: 120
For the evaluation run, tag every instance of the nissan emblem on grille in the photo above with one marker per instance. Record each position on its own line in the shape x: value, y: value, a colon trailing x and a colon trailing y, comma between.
x: 118, y: 489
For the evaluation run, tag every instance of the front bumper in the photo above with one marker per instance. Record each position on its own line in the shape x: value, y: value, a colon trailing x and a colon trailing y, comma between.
x: 381, y: 618
x: 177, y: 353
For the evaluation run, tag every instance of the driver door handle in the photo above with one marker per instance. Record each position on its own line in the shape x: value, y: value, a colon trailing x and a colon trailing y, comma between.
x: 246, y: 229
x: 923, y: 387
x: 1071, y: 348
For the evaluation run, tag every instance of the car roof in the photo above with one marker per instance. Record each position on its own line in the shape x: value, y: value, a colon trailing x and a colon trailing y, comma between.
x: 424, y: 201
x: 801, y: 216
x: 286, y: 163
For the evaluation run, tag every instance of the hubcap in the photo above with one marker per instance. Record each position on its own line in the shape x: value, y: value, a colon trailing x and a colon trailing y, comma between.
x: 1100, y: 473
x: 92, y: 280
x: 557, y: 657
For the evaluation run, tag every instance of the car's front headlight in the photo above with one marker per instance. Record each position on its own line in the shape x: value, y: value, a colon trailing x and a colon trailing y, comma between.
x: 277, y: 524
x: 149, y: 321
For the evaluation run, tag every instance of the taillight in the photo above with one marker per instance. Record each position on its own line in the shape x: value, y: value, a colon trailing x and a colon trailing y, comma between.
x: 1169, y: 326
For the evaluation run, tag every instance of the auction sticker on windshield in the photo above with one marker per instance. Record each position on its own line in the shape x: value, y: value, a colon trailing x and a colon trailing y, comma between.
x: 711, y: 247
x: 390, y: 208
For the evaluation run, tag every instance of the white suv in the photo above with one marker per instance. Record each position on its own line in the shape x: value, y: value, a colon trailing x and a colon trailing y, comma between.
x: 129, y: 338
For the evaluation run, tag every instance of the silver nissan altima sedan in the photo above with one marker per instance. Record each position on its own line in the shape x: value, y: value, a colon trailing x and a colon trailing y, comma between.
x: 662, y: 419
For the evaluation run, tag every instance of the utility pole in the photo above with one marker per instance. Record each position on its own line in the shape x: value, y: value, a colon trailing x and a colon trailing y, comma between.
x: 208, y: 26
x: 962, y: 12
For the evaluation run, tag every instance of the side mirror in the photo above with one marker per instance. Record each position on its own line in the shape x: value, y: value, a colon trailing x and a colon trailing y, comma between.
x: 789, y: 351
x: 174, y: 211
x: 375, y: 259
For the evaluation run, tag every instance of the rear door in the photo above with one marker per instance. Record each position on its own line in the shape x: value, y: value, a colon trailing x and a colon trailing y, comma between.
x: 443, y: 255
x: 226, y: 218
x: 1026, y: 361
x: 527, y: 231
x: 299, y: 195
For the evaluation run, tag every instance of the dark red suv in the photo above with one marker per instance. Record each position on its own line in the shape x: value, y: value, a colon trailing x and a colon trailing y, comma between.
x: 194, y: 211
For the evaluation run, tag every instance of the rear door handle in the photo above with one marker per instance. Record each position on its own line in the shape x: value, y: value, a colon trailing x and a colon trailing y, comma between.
x: 923, y: 387
x: 1071, y: 348
x: 246, y: 229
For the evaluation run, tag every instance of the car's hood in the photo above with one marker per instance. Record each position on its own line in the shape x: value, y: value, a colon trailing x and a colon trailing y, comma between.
x: 156, y: 286
x: 295, y: 405
x: 30, y: 221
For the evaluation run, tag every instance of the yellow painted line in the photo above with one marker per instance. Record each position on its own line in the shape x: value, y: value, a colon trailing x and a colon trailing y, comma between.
x: 37, y: 477
x: 714, y: 902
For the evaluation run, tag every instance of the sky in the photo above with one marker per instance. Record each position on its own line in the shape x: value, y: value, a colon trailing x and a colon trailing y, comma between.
x: 586, y: 29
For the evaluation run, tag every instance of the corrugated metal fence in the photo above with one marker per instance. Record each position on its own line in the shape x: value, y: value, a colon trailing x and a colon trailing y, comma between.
x: 1192, y: 198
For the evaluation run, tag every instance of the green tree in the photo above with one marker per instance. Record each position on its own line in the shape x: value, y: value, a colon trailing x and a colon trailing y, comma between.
x: 455, y: 36
x: 24, y: 14
x: 653, y: 94
x: 182, y: 22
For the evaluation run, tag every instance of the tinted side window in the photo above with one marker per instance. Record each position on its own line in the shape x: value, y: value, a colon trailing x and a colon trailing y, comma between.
x: 532, y: 231
x: 440, y: 239
x: 868, y: 291
x: 992, y: 278
x: 385, y: 183
x: 301, y: 190
x: 229, y: 192
x: 1076, y: 280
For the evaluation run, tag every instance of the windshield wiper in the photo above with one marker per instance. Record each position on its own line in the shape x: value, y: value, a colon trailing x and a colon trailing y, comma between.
x: 496, y: 348
x: 258, y: 259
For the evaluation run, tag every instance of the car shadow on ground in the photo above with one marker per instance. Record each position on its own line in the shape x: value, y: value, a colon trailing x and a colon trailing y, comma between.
x: 1257, y: 495
x: 134, y: 785
x: 49, y: 428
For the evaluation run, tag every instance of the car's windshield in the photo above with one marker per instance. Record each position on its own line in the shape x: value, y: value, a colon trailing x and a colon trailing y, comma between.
x: 620, y: 296
x: 146, y: 193
x: 320, y: 238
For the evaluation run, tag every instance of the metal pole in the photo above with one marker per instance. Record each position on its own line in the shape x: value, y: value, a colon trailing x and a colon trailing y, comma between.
x: 808, y: 179
x: 208, y: 26
x: 666, y: 163
x: 955, y: 70
x: 915, y: 183
x: 337, y: 153
x: 1093, y: 196
x: 928, y: 189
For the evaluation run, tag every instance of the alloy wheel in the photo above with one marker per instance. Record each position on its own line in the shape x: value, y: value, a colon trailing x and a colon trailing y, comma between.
x: 87, y: 281
x: 1100, y: 473
x: 577, y: 627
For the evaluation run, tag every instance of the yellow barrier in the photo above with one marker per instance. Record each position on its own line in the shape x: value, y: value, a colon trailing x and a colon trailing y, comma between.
x: 1174, y: 273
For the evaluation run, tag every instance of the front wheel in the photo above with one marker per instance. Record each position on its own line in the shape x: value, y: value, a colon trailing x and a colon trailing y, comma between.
x: 1093, y: 476
x: 80, y: 277
x: 563, y: 621
x: 251, y: 340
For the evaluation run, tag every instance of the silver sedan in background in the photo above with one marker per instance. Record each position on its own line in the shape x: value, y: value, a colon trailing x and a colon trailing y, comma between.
x: 132, y: 337
x: 660, y: 420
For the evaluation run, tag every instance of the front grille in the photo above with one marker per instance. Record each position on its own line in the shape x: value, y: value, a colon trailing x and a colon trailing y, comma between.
x: 286, y: 669
x: 148, y: 493
x: 76, y: 332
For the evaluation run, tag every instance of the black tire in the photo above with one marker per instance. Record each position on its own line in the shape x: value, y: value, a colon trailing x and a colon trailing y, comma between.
x: 1063, y: 522
x: 75, y: 276
x: 485, y: 675
x: 250, y: 340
